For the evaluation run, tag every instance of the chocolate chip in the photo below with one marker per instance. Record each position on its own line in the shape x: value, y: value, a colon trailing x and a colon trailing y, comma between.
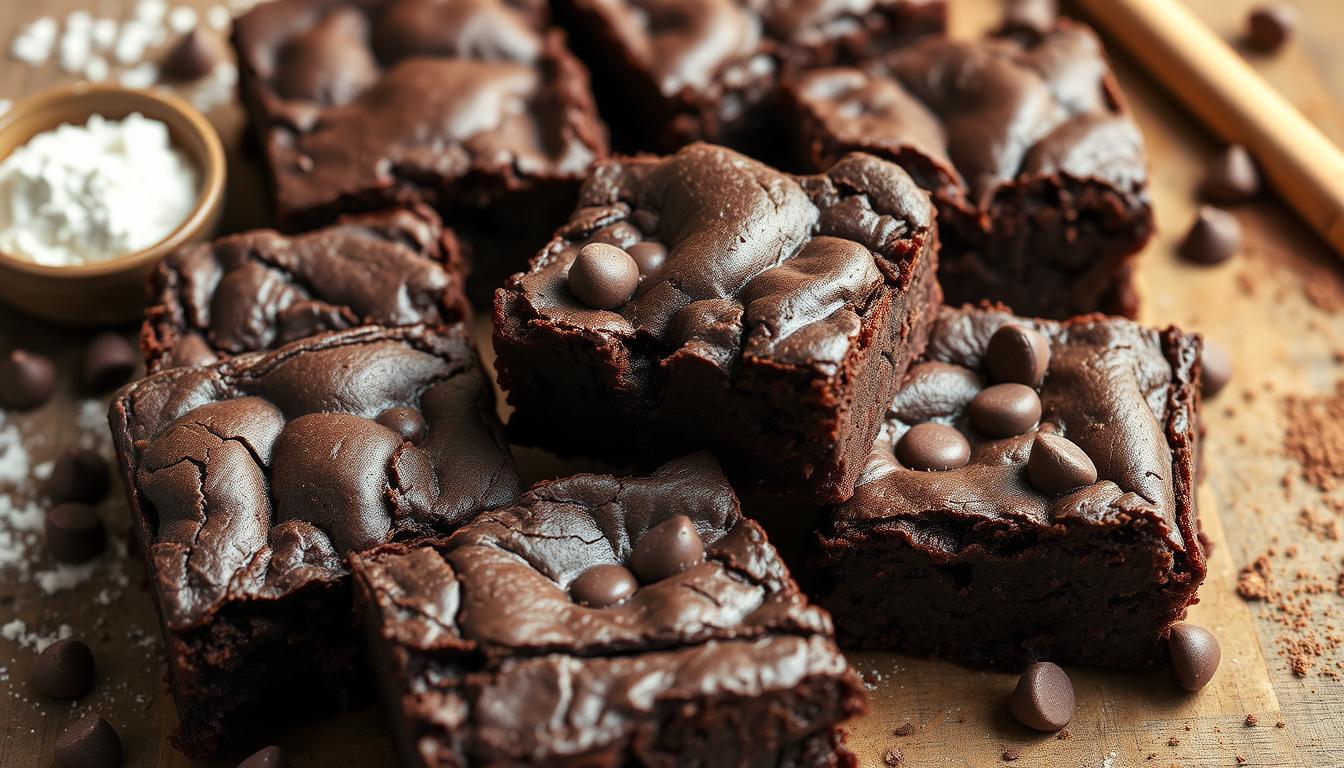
x: 1017, y: 354
x: 649, y: 255
x: 109, y: 361
x: 603, y: 276
x: 64, y: 670
x: 1043, y: 698
x: 407, y: 422
x: 1214, y: 237
x: 1057, y: 465
x: 27, y: 380
x: 667, y: 549
x: 603, y: 586
x: 932, y: 446
x: 1195, y: 654
x: 646, y: 220
x: 192, y: 57
x: 1269, y: 26
x: 1033, y: 17
x: 1215, y: 369
x: 622, y: 234
x: 1005, y: 410
x: 270, y: 757
x: 79, y: 474
x: 89, y: 743
x: 1231, y: 178
x: 74, y: 533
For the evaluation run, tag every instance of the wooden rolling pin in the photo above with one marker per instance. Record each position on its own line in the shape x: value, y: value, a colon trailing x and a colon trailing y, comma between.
x: 1203, y: 72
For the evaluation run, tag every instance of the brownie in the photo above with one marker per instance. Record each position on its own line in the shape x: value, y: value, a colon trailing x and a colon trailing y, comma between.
x: 783, y: 313
x: 1027, y: 147
x: 1001, y: 521
x: 669, y: 72
x: 251, y: 480
x: 475, y: 107
x: 600, y: 620
x: 259, y: 290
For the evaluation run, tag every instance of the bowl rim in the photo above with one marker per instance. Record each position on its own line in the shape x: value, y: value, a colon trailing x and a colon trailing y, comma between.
x: 213, y: 170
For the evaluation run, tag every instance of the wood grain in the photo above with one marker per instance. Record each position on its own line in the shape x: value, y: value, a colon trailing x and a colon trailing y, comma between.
x: 1260, y: 306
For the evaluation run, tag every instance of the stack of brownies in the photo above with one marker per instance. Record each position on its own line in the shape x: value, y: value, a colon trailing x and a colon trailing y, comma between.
x: 326, y: 499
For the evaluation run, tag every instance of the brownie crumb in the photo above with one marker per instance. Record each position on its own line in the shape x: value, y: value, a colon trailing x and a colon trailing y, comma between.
x: 893, y: 757
x: 1011, y: 754
x: 1173, y: 742
x: 905, y: 730
x: 1151, y: 756
x: 1062, y: 735
x: 1252, y: 721
x: 1241, y: 760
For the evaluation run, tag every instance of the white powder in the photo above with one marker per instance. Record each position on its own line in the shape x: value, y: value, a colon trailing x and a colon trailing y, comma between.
x: 16, y: 631
x: 80, y: 194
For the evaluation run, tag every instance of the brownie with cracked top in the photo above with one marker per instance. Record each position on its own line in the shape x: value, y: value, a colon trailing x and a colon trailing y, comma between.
x: 1031, y: 496
x: 252, y: 480
x: 605, y: 620
x: 669, y: 72
x: 475, y: 107
x: 262, y: 289
x: 1026, y: 144
x: 705, y: 300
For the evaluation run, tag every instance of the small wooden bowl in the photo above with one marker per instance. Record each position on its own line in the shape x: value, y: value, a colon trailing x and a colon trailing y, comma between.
x: 113, y: 290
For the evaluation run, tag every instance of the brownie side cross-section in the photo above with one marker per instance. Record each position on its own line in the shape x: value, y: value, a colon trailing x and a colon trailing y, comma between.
x: 1031, y: 496
x: 1026, y: 144
x: 475, y: 107
x: 251, y: 481
x: 605, y: 620
x: 773, y: 319
x: 262, y: 289
x: 669, y: 72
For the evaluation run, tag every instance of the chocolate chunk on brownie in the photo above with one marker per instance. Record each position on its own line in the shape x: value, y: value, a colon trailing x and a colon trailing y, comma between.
x: 771, y: 321
x: 475, y: 107
x: 605, y: 620
x: 669, y: 72
x: 1025, y: 142
x: 259, y: 290
x: 1063, y: 528
x: 250, y: 482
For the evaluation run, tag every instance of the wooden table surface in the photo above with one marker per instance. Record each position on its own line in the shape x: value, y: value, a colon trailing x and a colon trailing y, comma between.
x: 1276, y: 307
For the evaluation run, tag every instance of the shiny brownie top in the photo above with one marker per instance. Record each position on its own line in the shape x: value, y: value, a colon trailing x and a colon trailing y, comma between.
x: 967, y: 117
x: 259, y: 290
x: 257, y: 476
x: 710, y: 255
x: 1008, y: 424
x: 363, y: 95
x: 594, y: 564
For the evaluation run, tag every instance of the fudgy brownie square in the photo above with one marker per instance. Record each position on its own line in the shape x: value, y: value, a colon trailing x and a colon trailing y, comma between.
x: 251, y: 480
x: 602, y: 620
x: 475, y: 107
x: 1031, y: 496
x: 669, y: 72
x: 259, y: 290
x: 705, y: 300
x: 1027, y: 147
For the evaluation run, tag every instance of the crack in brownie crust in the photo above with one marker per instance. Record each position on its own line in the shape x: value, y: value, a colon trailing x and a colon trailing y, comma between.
x: 490, y: 654
x: 773, y: 331
x: 1025, y: 143
x: 261, y: 289
x: 252, y: 480
x: 978, y: 564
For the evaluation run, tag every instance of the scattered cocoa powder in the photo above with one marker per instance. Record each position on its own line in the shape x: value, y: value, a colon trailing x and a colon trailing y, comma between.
x: 1308, y: 634
x: 1173, y: 742
x: 905, y: 730
x: 1241, y: 760
x: 1314, y: 436
x: 1011, y: 754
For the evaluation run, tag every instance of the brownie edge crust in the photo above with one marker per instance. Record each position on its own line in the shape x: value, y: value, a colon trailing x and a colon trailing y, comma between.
x: 974, y: 562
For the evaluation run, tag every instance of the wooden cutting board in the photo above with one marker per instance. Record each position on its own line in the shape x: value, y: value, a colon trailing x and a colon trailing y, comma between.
x: 1276, y: 307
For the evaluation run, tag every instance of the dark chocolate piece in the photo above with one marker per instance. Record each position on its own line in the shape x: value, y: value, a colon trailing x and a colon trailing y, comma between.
x: 1195, y: 654
x: 1214, y: 238
x: 486, y: 658
x: 1216, y: 369
x: 261, y: 289
x: 27, y: 380
x: 74, y: 533
x: 1017, y: 354
x: 193, y: 56
x: 79, y: 474
x: 1043, y: 698
x: 1025, y: 143
x: 1012, y: 557
x: 603, y: 586
x: 89, y: 742
x: 774, y: 332
x: 1231, y: 178
x: 64, y: 670
x: 252, y: 480
x: 603, y: 276
x: 1271, y: 25
x: 933, y: 448
x: 109, y: 362
x: 1005, y: 410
